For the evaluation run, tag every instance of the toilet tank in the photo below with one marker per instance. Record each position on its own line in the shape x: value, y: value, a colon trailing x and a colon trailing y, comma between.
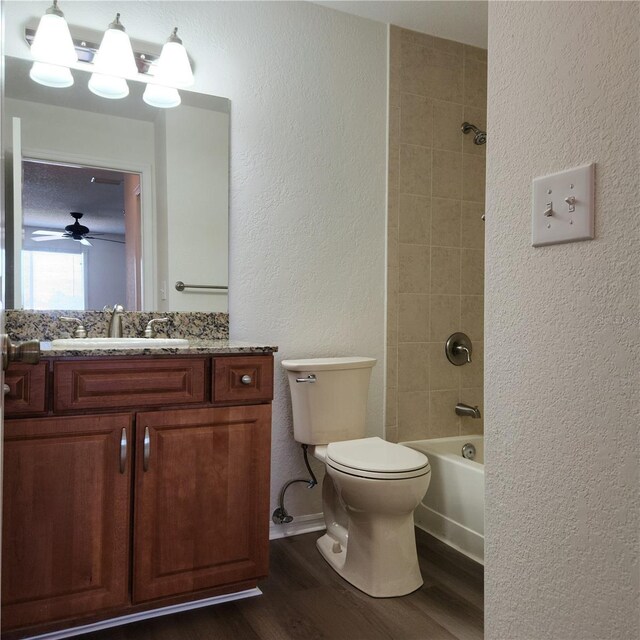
x: 334, y: 406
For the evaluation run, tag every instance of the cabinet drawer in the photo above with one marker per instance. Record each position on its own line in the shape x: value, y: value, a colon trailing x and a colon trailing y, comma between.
x: 244, y: 379
x: 128, y: 383
x: 27, y: 389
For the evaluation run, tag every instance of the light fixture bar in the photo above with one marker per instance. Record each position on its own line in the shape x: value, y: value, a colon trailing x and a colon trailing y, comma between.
x: 87, y: 50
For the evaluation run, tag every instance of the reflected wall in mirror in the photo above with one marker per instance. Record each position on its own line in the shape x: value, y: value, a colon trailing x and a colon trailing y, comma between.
x: 158, y: 200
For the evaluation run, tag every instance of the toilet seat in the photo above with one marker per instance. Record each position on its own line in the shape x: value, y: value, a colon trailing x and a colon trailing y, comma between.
x: 377, y: 459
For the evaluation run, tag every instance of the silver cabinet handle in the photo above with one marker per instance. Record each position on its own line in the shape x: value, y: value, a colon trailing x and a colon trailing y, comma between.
x: 7, y: 389
x: 310, y: 378
x: 146, y: 449
x: 246, y: 379
x: 123, y: 450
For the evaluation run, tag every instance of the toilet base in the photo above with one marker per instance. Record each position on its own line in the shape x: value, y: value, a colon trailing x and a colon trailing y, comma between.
x: 398, y: 579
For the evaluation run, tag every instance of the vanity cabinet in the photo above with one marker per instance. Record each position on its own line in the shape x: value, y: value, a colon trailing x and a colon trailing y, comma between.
x: 66, y: 517
x: 145, y: 483
x: 202, y: 496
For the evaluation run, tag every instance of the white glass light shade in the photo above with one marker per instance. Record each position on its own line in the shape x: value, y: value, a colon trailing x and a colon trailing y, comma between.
x: 52, y: 42
x: 51, y: 75
x: 173, y: 67
x: 162, y: 97
x: 115, y: 55
x: 108, y: 86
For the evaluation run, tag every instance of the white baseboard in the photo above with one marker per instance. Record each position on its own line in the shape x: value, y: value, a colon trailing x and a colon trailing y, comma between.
x: 146, y: 615
x: 301, y: 524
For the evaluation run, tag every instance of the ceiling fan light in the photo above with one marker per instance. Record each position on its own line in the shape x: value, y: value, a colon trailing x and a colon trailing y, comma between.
x: 156, y: 95
x: 115, y: 55
x: 173, y: 67
x: 108, y: 86
x: 52, y: 42
x: 51, y: 75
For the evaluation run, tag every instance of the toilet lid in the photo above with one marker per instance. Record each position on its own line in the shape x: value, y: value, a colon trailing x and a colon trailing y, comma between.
x: 375, y: 454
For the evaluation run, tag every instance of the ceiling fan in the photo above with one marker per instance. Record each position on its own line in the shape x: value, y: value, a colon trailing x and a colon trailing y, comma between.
x: 75, y: 231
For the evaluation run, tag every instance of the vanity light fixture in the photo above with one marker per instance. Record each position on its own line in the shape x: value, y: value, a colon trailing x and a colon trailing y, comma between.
x: 172, y: 69
x: 113, y: 62
x: 53, y: 50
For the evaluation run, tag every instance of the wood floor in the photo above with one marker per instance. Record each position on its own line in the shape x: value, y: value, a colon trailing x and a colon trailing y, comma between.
x: 304, y: 599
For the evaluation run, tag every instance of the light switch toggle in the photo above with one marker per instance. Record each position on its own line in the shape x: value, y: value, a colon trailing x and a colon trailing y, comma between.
x: 571, y: 201
x: 548, y: 212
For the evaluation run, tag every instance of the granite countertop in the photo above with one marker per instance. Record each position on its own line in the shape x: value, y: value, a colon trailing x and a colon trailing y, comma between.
x: 196, y: 347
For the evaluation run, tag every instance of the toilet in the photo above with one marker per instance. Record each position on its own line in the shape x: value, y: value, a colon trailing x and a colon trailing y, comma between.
x: 371, y: 486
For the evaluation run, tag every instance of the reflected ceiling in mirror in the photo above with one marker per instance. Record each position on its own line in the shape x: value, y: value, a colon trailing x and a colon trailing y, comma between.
x: 181, y: 159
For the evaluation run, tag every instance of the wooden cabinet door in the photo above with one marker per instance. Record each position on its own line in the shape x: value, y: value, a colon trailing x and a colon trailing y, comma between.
x: 202, y: 499
x: 66, y: 517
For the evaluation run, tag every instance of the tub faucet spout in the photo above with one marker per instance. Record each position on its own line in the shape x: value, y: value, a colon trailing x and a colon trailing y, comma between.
x: 465, y: 410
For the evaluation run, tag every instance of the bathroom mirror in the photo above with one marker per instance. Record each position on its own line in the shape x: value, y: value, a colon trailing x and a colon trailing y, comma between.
x: 151, y: 185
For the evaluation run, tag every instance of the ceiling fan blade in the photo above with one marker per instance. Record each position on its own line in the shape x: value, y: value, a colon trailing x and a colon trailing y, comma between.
x: 42, y: 232
x: 85, y: 242
x: 106, y: 240
x: 47, y: 238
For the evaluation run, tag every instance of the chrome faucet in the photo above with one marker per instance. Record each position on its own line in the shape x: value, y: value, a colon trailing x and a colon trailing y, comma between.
x: 115, y: 324
x: 465, y: 410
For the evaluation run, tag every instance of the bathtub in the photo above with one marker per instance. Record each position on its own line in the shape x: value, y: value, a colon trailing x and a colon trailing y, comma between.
x: 453, y: 508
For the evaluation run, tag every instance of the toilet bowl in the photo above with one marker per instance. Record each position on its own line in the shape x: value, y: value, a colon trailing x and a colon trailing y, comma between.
x: 371, y: 486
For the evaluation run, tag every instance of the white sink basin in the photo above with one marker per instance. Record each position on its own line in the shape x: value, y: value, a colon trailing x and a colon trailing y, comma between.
x: 119, y: 343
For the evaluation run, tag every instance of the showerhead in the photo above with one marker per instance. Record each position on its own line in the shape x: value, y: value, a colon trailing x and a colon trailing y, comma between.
x: 479, y: 138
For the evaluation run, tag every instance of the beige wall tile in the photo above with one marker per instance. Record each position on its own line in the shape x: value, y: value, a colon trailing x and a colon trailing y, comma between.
x: 391, y: 408
x: 393, y: 208
x: 416, y: 120
x: 394, y: 125
x: 443, y: 420
x: 394, y: 87
x: 431, y: 73
x: 392, y: 367
x: 394, y: 167
x: 391, y: 433
x: 415, y: 170
x: 443, y: 374
x: 445, y: 270
x: 413, y: 317
x: 472, y: 272
x: 416, y: 37
x: 472, y: 226
x: 393, y: 246
x: 472, y: 397
x: 447, y: 175
x: 413, y: 367
x: 445, y: 222
x: 475, y: 53
x: 415, y: 219
x: 475, y: 83
x: 413, y: 415
x: 445, y: 317
x: 414, y: 268
x: 473, y: 178
x: 472, y: 317
x: 478, y: 117
x: 471, y: 373
x: 392, y: 320
x: 395, y: 43
x: 448, y: 46
x: 447, y: 119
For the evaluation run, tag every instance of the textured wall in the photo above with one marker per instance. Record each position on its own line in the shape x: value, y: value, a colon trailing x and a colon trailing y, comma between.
x: 561, y: 331
x: 436, y: 235
x: 307, y: 192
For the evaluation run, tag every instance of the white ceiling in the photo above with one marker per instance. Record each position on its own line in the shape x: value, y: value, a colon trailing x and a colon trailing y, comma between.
x: 460, y: 20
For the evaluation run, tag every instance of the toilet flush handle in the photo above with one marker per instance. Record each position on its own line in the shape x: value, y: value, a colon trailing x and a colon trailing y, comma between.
x: 310, y: 378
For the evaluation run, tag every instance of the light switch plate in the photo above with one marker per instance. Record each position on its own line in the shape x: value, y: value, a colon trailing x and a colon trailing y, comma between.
x: 563, y: 207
